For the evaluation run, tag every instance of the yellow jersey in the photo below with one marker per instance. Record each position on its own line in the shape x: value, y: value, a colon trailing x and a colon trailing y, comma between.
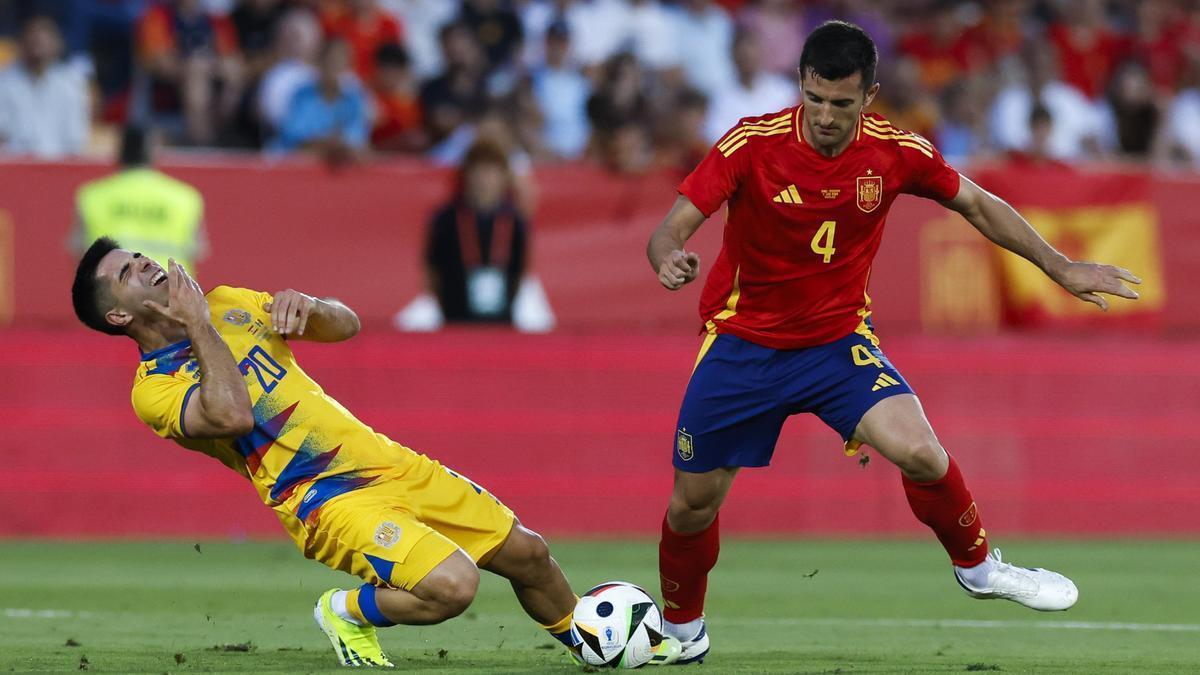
x: 305, y: 447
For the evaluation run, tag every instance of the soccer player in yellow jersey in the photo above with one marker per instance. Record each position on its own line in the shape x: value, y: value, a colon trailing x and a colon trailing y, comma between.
x: 217, y: 376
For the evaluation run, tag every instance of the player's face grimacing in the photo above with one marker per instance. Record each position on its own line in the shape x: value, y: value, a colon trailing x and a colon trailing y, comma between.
x: 831, y: 109
x: 130, y: 279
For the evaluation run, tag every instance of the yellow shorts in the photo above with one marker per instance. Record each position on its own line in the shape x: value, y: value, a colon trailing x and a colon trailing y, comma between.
x: 396, y: 530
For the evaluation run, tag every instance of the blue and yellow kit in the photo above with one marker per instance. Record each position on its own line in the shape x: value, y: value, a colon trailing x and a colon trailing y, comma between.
x: 349, y: 497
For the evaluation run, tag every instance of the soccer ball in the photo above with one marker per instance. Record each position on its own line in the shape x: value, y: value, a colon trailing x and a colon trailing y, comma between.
x: 620, y: 625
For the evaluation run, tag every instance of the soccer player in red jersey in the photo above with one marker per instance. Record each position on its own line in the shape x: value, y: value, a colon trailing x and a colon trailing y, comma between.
x: 787, y: 316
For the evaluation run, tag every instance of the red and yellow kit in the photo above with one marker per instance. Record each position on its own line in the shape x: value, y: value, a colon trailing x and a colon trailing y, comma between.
x: 351, y: 498
x: 803, y: 228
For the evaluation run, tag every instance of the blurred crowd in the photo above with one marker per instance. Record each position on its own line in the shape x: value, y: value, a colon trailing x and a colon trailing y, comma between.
x: 632, y: 84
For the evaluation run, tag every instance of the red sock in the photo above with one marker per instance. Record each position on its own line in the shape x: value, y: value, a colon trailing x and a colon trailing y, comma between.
x: 946, y: 506
x: 684, y: 561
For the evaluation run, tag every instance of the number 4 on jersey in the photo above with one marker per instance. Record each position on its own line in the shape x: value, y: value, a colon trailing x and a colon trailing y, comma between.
x: 822, y: 241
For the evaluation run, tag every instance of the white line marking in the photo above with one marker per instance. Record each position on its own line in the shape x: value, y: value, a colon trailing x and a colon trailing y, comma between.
x: 24, y: 613
x: 968, y: 623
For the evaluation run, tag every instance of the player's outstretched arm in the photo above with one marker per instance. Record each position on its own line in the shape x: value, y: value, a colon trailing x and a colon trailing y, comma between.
x: 675, y: 266
x: 1000, y: 223
x: 294, y: 314
x: 221, y: 407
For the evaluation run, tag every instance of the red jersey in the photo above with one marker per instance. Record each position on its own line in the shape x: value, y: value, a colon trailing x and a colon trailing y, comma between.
x: 803, y: 228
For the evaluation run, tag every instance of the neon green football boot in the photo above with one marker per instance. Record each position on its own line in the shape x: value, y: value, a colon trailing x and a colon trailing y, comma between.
x: 354, y: 645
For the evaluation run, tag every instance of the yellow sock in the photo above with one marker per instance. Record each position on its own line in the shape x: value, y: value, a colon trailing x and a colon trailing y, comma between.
x: 561, y: 629
x: 353, y: 609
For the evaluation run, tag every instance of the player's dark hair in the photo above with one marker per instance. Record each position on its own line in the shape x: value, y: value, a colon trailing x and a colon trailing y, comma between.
x: 838, y: 49
x: 86, y: 293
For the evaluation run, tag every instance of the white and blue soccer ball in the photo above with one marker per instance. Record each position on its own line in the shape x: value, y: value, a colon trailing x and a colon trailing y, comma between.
x: 619, y: 624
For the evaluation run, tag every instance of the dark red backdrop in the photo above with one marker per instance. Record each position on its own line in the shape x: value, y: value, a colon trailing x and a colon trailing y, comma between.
x: 1089, y: 433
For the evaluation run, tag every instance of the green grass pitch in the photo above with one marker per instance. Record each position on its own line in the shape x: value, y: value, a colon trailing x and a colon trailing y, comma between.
x: 774, y: 606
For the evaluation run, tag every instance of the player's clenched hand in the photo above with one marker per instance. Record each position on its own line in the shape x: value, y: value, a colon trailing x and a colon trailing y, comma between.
x: 1087, y: 281
x: 289, y: 311
x: 678, y: 268
x: 186, y: 303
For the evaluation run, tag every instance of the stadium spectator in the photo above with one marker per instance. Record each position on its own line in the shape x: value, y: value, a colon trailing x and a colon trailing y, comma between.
x: 903, y: 98
x: 752, y: 91
x: 329, y: 116
x: 936, y: 45
x: 997, y: 35
x: 162, y: 216
x: 1136, y: 112
x: 496, y: 28
x: 1158, y: 42
x: 477, y: 244
x: 43, y: 101
x: 449, y: 99
x: 1088, y: 50
x: 599, y: 28
x: 562, y: 93
x: 1081, y: 128
x: 297, y: 44
x: 705, y: 37
x: 618, y: 99
x: 422, y: 21
x: 1183, y: 126
x: 192, y: 58
x: 961, y: 132
x: 682, y: 140
x: 364, y: 26
x: 879, y: 20
x: 398, y: 124
x: 778, y: 29
x: 256, y: 23
x: 653, y: 35
x: 1038, y: 153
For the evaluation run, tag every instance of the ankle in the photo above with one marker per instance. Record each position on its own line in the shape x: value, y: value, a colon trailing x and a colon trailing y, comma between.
x: 976, y: 576
x: 683, y: 631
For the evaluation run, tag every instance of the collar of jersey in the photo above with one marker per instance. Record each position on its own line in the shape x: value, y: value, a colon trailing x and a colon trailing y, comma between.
x: 799, y: 120
x: 166, y: 350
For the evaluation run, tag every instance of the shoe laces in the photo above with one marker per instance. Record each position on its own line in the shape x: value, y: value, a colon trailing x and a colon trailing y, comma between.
x: 1008, y: 578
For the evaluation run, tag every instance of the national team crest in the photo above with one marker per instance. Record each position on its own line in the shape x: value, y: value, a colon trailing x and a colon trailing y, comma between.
x: 237, y: 317
x: 870, y: 192
x: 683, y: 445
x: 387, y: 534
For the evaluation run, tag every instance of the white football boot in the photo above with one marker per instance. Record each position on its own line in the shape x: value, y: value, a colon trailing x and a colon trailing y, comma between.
x: 1035, y: 588
x: 692, y: 650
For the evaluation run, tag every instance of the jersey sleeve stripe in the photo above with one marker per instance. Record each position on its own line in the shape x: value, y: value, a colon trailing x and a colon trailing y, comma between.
x: 924, y: 151
x: 764, y: 125
x: 745, y: 139
x: 183, y: 408
x: 748, y: 130
x: 903, y: 140
x: 893, y: 132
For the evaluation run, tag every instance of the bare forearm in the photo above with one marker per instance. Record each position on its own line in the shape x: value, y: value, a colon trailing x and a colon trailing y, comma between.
x: 331, y: 321
x: 662, y: 242
x: 223, y: 393
x: 1001, y: 224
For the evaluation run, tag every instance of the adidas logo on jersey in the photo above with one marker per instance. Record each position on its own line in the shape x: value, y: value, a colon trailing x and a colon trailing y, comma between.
x: 789, y: 195
x: 884, y: 381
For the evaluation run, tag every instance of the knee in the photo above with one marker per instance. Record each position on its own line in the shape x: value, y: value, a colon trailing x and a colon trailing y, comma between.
x: 924, y: 460
x: 456, y: 594
x: 691, y: 513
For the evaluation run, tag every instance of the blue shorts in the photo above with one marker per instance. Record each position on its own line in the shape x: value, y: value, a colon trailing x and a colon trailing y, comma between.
x: 741, y: 393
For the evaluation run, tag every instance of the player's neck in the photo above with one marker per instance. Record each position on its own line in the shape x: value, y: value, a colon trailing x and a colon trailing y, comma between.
x: 827, y: 151
x: 153, y: 338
